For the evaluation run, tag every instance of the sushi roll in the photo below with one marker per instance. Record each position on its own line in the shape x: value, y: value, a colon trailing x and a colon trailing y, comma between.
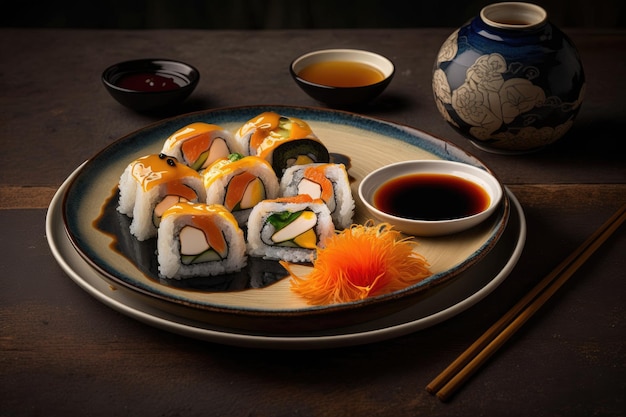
x: 196, y: 240
x: 328, y: 182
x: 239, y: 183
x: 198, y: 145
x: 282, y: 141
x: 289, y: 229
x: 151, y: 184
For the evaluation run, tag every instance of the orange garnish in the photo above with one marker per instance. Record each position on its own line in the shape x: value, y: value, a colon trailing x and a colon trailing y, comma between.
x: 360, y: 262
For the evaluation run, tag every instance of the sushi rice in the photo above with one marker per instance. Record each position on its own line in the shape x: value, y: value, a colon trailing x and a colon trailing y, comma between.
x: 262, y: 233
x: 203, y: 259
x: 326, y: 181
x: 220, y: 179
x: 199, y: 144
x: 149, y: 185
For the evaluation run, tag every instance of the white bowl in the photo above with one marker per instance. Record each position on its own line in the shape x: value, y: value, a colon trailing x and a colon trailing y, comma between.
x: 409, y: 221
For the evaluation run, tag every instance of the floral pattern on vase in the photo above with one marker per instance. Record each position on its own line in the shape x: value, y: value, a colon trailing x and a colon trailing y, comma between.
x: 500, y: 105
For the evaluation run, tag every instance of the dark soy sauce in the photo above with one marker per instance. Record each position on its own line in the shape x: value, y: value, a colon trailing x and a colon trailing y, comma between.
x: 431, y: 197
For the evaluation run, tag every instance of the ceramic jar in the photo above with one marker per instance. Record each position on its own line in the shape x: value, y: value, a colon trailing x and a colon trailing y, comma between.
x: 509, y: 80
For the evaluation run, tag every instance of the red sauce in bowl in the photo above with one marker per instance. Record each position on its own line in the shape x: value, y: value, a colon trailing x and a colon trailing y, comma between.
x: 143, y: 81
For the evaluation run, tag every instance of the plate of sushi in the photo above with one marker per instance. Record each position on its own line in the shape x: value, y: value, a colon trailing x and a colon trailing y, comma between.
x: 249, y: 218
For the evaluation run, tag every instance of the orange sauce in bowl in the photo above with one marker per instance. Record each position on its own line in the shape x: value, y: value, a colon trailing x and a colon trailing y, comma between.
x: 341, y: 74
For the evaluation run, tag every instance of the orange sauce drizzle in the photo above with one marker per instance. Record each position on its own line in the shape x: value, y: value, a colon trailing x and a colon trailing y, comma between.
x: 152, y: 170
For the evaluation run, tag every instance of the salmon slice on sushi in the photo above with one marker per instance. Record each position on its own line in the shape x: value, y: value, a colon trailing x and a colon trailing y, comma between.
x: 289, y: 228
x: 239, y: 183
x: 150, y: 185
x: 281, y: 140
x: 197, y: 240
x: 199, y: 144
x: 328, y: 182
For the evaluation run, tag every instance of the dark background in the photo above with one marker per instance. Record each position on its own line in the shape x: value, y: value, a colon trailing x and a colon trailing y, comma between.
x: 288, y: 14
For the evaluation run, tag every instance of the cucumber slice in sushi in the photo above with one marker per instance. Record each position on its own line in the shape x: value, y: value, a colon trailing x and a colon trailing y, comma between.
x: 206, y: 256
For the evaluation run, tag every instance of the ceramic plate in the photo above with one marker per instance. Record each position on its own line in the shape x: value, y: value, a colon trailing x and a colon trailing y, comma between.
x: 469, y: 288
x: 259, y: 298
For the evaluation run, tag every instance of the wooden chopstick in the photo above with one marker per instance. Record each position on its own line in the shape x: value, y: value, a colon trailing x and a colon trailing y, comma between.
x: 455, y: 375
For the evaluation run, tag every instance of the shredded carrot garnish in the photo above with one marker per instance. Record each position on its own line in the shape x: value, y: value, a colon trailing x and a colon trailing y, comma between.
x: 359, y: 262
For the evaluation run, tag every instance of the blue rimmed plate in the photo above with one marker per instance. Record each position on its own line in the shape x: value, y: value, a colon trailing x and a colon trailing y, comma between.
x: 259, y: 298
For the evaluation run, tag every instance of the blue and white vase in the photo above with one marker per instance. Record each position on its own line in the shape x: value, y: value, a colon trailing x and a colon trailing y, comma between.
x: 509, y: 80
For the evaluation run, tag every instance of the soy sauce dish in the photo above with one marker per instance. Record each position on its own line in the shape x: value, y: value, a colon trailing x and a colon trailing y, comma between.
x: 150, y: 84
x: 431, y: 197
x: 342, y: 77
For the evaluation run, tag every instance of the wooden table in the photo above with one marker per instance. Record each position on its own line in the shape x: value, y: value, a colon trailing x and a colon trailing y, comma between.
x: 64, y: 353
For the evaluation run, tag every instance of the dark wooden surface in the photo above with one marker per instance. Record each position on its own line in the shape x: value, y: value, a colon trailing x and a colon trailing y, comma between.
x: 64, y: 353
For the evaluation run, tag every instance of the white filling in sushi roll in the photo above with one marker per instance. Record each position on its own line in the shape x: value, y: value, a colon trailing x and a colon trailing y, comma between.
x: 328, y: 182
x: 289, y: 229
x: 196, y: 240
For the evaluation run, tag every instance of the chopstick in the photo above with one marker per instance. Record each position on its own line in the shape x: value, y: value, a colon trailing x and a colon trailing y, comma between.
x: 459, y: 371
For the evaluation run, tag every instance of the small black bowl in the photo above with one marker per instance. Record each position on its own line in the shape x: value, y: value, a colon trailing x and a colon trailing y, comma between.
x: 150, y: 84
x: 343, y: 97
